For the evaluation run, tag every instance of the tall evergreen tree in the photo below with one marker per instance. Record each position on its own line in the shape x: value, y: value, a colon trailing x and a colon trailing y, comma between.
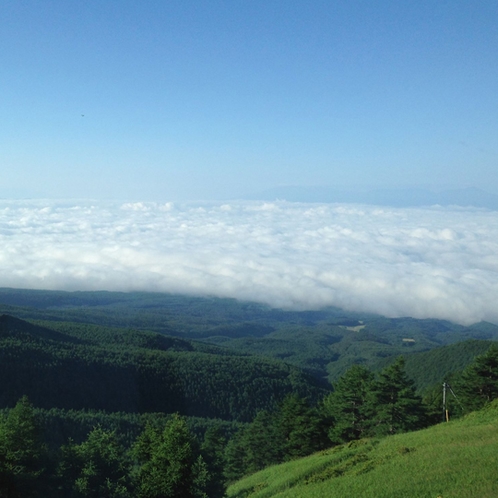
x: 350, y: 406
x: 261, y: 443
x: 169, y: 464
x: 478, y: 384
x: 397, y: 406
x: 234, y: 457
x: 299, y: 428
x: 96, y: 468
x: 22, y: 453
x: 213, y: 453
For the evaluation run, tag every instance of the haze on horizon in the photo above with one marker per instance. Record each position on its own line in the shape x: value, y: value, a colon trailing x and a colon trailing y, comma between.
x: 209, y: 100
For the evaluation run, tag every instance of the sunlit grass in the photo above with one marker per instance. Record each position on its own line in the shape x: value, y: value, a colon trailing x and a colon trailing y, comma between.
x: 458, y: 459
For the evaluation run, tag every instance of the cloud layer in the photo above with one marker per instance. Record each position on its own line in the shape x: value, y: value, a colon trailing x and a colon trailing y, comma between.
x: 421, y: 262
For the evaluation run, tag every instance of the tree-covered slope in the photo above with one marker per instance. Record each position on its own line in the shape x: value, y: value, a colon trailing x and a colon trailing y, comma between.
x: 324, y: 342
x: 87, y: 367
x: 431, y: 367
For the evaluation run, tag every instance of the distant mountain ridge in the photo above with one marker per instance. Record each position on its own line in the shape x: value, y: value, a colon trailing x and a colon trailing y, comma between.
x: 409, y: 197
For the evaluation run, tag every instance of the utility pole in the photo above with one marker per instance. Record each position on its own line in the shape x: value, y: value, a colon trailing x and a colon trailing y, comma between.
x: 446, y: 416
x: 445, y: 411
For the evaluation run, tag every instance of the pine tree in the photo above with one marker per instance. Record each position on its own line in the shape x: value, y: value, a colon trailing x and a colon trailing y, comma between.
x: 213, y: 453
x: 350, y: 406
x: 98, y: 467
x: 169, y: 463
x: 478, y: 384
x: 261, y: 443
x: 299, y: 428
x: 397, y: 406
x: 22, y: 453
x: 234, y: 456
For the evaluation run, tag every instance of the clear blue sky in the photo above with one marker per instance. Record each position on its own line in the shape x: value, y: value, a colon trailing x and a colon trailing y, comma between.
x: 183, y: 100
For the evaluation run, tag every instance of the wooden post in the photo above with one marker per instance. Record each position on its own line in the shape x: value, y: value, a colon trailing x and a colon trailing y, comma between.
x: 445, y: 411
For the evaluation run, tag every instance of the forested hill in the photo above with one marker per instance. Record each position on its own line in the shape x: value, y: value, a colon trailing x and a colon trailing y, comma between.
x: 89, y: 367
x: 429, y: 368
x: 206, y: 357
x: 324, y: 343
x: 109, y: 376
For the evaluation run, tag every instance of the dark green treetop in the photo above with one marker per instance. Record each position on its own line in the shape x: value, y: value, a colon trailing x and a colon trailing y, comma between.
x: 397, y: 406
x: 350, y: 406
x: 22, y: 453
x: 98, y: 467
x: 478, y: 384
x: 169, y: 462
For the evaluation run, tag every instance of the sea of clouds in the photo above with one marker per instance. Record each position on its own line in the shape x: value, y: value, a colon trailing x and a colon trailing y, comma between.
x: 421, y: 262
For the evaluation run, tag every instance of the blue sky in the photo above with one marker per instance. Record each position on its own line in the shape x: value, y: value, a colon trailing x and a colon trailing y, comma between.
x: 187, y: 100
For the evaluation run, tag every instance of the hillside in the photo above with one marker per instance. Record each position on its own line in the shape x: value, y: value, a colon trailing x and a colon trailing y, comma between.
x: 429, y: 368
x: 100, y: 368
x: 252, y: 381
x: 456, y: 459
x: 324, y: 343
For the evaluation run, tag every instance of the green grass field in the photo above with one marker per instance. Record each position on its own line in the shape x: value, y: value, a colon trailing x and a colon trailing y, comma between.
x: 455, y: 459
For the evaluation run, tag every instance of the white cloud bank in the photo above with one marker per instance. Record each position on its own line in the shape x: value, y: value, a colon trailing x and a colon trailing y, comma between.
x: 420, y: 262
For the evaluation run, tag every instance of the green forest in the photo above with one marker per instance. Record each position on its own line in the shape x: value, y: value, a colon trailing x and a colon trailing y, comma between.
x: 156, y: 395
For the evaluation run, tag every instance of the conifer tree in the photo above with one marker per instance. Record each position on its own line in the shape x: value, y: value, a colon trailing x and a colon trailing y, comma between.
x: 212, y: 451
x: 350, y: 406
x: 294, y: 430
x: 478, y: 384
x: 299, y: 428
x: 234, y: 457
x: 169, y: 464
x: 96, y: 468
x: 261, y: 443
x: 22, y: 453
x: 397, y: 406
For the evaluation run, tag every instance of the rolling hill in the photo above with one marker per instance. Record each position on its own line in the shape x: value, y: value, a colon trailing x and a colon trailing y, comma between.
x: 89, y: 367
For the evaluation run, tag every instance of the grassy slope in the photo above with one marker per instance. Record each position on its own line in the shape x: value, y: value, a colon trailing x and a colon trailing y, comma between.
x: 457, y: 459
